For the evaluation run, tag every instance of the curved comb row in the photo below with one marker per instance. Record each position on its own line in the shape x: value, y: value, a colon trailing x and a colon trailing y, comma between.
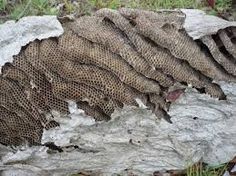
x: 106, y: 61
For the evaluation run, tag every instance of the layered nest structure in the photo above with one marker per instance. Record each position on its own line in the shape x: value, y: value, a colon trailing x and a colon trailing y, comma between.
x: 106, y: 61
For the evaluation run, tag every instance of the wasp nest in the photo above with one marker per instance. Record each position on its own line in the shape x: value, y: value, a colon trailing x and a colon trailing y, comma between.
x: 105, y: 61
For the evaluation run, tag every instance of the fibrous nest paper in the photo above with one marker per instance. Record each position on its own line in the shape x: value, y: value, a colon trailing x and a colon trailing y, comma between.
x: 122, y: 58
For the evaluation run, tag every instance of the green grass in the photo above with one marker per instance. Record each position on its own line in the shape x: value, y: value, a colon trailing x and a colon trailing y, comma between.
x: 48, y: 7
x: 145, y: 4
x: 113, y: 4
x: 167, y: 4
x: 26, y: 7
x: 3, y: 4
x: 201, y: 170
x: 157, y: 4
x: 223, y: 4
